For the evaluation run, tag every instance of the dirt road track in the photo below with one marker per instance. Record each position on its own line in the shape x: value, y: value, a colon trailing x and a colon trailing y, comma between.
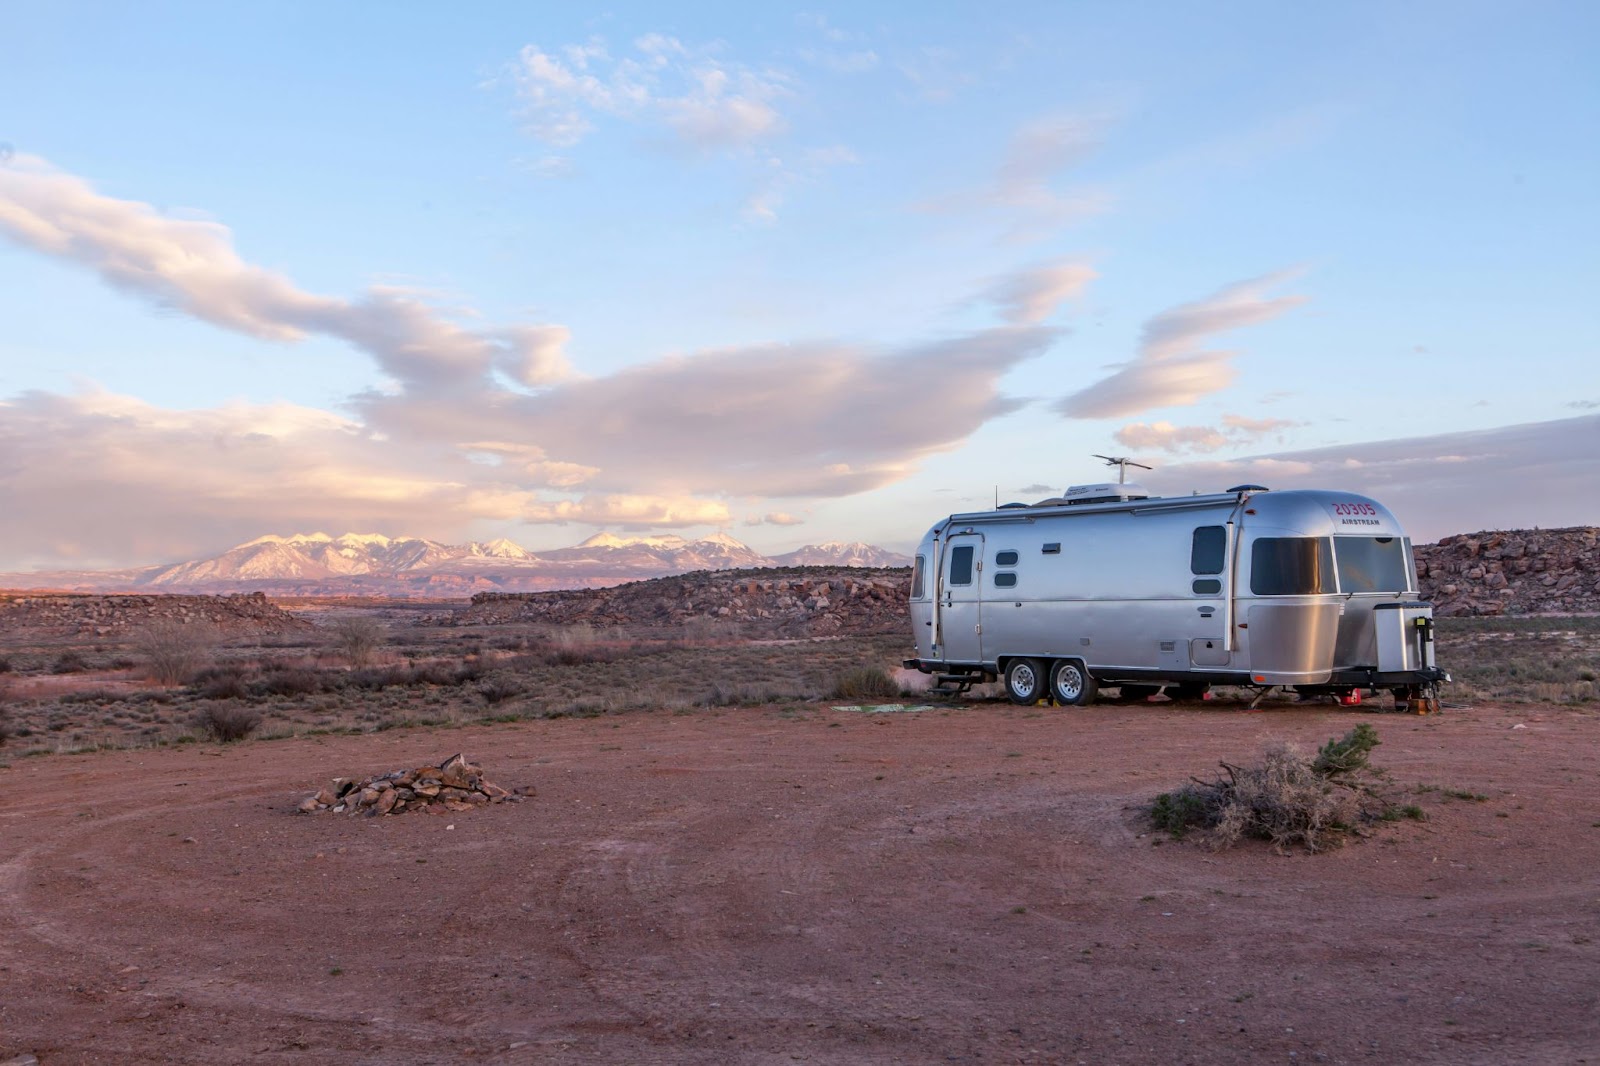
x: 762, y: 886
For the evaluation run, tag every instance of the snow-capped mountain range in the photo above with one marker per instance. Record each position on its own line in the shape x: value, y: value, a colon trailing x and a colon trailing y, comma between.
x: 376, y: 565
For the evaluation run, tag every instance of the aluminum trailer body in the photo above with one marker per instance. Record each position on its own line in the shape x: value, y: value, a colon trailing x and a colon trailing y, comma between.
x: 1308, y: 588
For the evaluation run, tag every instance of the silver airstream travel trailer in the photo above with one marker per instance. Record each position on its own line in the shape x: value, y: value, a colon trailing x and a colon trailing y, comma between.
x: 1109, y: 586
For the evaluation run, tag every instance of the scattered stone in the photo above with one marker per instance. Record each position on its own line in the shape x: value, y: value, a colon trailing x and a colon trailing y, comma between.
x: 455, y: 785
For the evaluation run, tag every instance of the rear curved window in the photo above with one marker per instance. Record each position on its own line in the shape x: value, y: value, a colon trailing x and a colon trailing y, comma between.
x: 1291, y: 566
x: 1372, y: 564
x: 917, y: 581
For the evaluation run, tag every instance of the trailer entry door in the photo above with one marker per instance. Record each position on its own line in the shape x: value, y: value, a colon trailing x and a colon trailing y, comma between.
x: 1208, y: 620
x: 960, y: 604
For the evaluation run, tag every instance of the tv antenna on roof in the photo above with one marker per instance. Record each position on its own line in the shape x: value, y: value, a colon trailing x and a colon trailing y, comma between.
x: 1122, y: 462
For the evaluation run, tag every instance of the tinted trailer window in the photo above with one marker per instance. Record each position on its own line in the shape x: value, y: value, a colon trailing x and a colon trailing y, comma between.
x: 1291, y: 566
x: 1372, y: 564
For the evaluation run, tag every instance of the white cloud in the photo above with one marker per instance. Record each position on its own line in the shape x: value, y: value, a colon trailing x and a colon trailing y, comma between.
x: 1170, y: 369
x: 774, y: 518
x: 1022, y: 187
x: 936, y: 74
x: 705, y: 101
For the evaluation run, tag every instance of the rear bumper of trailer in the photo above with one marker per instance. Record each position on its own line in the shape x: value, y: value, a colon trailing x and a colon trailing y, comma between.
x: 1371, y: 677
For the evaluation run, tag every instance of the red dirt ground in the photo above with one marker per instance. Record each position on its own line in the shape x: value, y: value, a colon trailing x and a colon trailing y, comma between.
x: 758, y: 886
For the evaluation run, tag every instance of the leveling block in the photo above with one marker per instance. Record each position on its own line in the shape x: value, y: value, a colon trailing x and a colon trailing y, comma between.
x: 885, y: 708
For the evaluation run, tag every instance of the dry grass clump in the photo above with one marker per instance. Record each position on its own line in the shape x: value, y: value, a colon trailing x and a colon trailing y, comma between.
x: 864, y: 682
x: 358, y: 639
x: 175, y: 652
x: 1286, y: 798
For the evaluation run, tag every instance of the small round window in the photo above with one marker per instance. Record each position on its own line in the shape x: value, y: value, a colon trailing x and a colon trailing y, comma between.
x: 1005, y: 579
x: 1005, y: 558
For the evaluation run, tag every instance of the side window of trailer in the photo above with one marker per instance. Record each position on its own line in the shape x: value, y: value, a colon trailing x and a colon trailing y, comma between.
x: 1006, y: 579
x: 1291, y: 566
x: 961, y: 565
x: 917, y: 582
x: 1209, y: 551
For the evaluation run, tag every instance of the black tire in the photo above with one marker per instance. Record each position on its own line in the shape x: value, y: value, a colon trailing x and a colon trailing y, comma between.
x: 1071, y: 684
x: 1025, y: 681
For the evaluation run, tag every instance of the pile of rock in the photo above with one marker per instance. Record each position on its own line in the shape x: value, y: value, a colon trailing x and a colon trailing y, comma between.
x: 454, y: 785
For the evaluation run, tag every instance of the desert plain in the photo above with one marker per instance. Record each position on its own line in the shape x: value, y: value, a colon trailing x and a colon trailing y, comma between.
x: 725, y: 860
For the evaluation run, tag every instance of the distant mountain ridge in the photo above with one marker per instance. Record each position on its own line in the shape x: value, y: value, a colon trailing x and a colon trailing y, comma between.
x: 373, y: 564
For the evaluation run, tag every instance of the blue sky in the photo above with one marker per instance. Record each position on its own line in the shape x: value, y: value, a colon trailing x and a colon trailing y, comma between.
x: 800, y: 274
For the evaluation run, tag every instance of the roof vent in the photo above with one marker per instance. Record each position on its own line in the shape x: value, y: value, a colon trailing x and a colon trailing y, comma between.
x: 1108, y: 492
x: 1249, y: 488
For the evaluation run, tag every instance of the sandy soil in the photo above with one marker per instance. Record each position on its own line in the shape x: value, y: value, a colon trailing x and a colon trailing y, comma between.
x: 758, y: 886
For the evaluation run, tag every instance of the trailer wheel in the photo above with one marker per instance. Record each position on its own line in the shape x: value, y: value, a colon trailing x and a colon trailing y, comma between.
x: 1071, y: 685
x: 1024, y: 681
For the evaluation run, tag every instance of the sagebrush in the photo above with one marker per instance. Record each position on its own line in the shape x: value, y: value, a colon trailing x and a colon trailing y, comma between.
x: 1286, y: 798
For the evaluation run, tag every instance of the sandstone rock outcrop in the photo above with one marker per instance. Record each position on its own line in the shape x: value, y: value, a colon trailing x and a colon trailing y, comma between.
x: 799, y: 601
x: 72, y: 614
x: 1516, y: 571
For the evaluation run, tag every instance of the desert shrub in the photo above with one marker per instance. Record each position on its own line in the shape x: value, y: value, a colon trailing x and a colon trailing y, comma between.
x: 358, y: 639
x: 863, y: 681
x: 5, y: 665
x: 290, y: 681
x: 69, y: 662
x: 1286, y: 798
x: 724, y: 694
x: 498, y: 688
x: 173, y: 651
x: 90, y: 695
x: 220, y: 683
x: 226, y: 722
x: 579, y: 655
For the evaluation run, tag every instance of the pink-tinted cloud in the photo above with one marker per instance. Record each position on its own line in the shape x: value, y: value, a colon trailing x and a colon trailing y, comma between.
x: 1171, y: 369
x: 192, y: 267
x: 1512, y: 477
x: 1031, y: 296
x: 462, y: 438
x: 1235, y: 431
